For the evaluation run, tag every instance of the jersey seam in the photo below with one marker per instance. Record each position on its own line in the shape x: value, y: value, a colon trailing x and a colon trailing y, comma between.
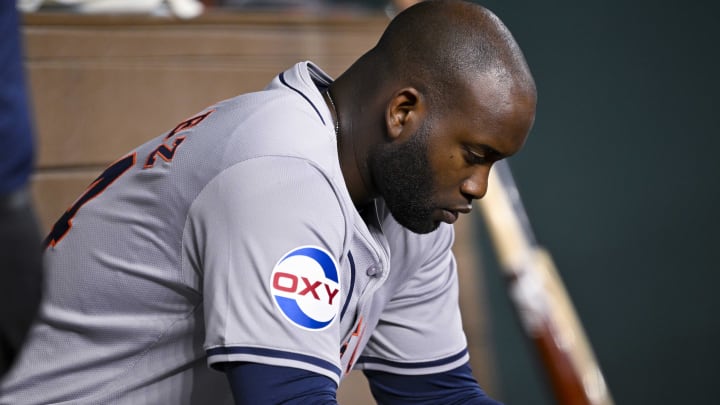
x: 114, y: 391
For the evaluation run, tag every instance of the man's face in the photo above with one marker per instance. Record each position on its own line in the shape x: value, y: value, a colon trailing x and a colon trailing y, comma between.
x: 433, y: 175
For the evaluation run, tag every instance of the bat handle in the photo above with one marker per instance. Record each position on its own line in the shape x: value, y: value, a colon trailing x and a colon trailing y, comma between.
x: 550, y: 321
x: 569, y: 386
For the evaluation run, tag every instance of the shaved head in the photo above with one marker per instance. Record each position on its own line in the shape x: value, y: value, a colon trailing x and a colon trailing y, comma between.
x: 436, y: 45
x: 423, y: 115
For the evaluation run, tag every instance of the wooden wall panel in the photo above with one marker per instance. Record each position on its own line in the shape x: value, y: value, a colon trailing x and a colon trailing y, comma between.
x: 90, y: 114
x: 102, y: 85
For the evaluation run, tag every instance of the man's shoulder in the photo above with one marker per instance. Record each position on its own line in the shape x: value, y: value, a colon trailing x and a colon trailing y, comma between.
x: 288, y: 118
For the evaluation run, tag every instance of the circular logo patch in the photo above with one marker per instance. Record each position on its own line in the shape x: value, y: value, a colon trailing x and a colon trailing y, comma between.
x: 305, y: 286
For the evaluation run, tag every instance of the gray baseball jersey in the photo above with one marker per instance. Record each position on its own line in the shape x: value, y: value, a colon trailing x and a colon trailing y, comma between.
x: 233, y: 238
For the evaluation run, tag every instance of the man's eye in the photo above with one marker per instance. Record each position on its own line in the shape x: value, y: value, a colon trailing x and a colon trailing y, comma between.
x: 475, y: 158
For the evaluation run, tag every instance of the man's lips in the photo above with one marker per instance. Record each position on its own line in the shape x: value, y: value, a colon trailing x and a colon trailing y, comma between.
x: 462, y: 209
x: 450, y: 215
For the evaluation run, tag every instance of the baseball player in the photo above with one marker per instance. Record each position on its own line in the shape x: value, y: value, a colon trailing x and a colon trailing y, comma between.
x: 287, y: 236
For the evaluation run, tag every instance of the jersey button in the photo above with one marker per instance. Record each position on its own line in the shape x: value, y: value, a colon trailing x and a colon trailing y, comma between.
x: 372, y: 271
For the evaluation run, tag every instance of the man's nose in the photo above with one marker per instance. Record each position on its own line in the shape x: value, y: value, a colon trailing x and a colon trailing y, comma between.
x: 475, y: 186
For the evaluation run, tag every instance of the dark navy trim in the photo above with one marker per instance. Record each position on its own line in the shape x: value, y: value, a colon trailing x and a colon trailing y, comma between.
x: 352, y: 284
x: 274, y: 353
x: 282, y: 80
x: 424, y: 364
x: 456, y: 386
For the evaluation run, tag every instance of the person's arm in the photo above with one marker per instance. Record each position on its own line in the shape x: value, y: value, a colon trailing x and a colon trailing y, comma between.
x: 254, y: 383
x: 456, y: 386
x: 241, y: 230
x: 20, y: 240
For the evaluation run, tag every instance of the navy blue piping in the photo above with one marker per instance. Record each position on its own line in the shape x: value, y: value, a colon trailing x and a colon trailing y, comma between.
x: 352, y: 285
x: 274, y: 353
x: 424, y: 364
x: 282, y: 80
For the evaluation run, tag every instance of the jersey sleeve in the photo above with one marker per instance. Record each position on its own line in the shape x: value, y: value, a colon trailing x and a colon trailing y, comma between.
x: 452, y: 387
x: 420, y: 330
x: 254, y: 383
x: 265, y: 235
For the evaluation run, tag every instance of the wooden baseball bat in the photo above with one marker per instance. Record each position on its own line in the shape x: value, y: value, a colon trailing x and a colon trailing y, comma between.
x: 540, y: 298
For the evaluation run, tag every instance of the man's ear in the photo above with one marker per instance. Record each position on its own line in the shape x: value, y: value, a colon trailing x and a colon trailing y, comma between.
x: 404, y: 113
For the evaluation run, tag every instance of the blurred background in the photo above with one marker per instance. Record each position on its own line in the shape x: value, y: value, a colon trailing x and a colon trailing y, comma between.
x: 619, y: 176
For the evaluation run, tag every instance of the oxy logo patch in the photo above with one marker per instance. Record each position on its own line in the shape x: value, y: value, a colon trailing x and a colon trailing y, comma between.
x: 306, y: 288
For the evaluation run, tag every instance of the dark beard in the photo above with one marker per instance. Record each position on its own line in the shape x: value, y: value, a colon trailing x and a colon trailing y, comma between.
x: 402, y: 176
